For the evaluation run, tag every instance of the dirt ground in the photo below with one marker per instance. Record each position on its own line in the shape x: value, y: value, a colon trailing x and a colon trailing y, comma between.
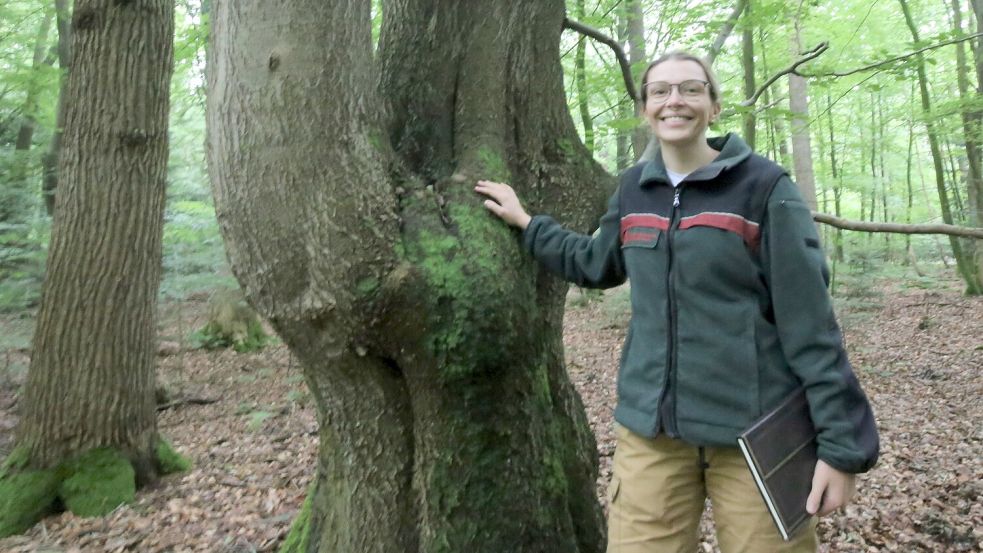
x: 918, y: 354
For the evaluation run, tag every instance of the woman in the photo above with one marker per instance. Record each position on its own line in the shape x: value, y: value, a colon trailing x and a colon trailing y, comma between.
x: 730, y: 313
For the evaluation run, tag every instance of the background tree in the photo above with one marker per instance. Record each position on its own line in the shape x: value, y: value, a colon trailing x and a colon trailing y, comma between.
x: 88, y: 433
x: 425, y: 333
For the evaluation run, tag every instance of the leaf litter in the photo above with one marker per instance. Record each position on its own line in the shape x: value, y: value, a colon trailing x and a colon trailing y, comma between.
x: 248, y: 423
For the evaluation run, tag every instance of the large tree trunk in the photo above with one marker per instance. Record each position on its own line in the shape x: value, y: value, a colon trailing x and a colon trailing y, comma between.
x: 344, y: 190
x: 89, y: 396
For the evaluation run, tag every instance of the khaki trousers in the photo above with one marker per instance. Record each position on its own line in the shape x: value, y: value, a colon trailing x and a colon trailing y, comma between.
x: 657, y: 497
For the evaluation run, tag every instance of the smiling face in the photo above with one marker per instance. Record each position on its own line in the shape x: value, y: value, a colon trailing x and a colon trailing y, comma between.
x: 680, y: 121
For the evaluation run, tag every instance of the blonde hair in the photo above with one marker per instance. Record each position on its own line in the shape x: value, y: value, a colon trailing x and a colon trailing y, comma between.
x: 680, y: 55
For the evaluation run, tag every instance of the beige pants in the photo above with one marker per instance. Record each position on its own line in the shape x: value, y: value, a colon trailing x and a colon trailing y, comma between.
x: 657, y: 496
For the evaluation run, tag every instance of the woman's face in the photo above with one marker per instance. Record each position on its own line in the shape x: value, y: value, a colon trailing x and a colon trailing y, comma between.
x: 682, y: 118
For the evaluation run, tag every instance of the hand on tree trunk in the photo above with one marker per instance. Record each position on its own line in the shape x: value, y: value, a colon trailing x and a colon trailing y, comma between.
x: 504, y: 203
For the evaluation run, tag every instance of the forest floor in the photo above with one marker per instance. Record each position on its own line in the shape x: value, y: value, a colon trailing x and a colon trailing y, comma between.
x: 917, y: 352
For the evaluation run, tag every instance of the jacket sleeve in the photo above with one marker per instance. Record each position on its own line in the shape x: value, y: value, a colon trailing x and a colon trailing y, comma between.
x: 796, y: 273
x: 587, y: 261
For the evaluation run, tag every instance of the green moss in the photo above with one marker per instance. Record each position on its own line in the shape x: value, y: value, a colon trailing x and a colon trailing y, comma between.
x: 299, y: 538
x: 25, y: 495
x: 367, y: 286
x: 494, y: 166
x: 168, y: 459
x: 99, y: 481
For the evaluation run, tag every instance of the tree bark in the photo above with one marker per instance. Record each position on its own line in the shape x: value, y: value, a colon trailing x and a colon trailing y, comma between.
x: 430, y: 340
x: 101, y: 336
x: 798, y: 101
x: 90, y: 386
x: 963, y: 264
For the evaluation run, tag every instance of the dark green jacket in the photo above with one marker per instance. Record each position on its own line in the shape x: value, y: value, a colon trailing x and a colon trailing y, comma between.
x: 730, y: 309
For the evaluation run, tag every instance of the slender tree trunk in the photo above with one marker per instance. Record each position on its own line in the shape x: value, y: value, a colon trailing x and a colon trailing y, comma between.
x: 638, y: 59
x: 798, y: 99
x: 963, y: 264
x: 14, y: 200
x: 90, y: 387
x: 837, y: 184
x: 49, y: 163
x: 580, y: 73
x: 747, y: 63
x: 447, y: 421
x: 777, y: 123
x: 972, y: 120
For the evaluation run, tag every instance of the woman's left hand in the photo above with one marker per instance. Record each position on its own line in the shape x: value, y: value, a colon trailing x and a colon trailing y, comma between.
x: 831, y: 489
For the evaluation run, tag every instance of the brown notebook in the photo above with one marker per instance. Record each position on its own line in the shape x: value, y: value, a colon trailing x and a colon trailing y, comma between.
x: 780, y: 450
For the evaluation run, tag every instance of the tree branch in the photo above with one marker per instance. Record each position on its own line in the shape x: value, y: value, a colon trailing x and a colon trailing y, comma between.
x: 618, y: 52
x: 897, y: 228
x: 718, y: 43
x: 894, y: 59
x: 806, y: 56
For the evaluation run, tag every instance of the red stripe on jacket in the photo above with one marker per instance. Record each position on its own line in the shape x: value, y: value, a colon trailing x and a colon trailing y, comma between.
x: 643, y: 220
x: 748, y: 230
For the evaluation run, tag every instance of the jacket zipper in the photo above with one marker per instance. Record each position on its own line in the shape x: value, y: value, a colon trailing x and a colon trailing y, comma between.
x: 667, y: 404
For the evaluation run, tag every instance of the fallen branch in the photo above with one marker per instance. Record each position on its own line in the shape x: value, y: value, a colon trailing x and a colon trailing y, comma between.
x: 186, y: 400
x: 619, y: 53
x: 897, y: 228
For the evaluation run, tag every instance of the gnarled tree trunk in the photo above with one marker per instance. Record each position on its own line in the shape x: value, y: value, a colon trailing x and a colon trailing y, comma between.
x: 431, y: 342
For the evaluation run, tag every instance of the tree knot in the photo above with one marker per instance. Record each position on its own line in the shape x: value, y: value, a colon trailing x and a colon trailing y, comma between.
x: 135, y: 138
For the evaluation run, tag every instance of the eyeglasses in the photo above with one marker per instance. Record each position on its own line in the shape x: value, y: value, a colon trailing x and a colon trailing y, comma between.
x: 659, y: 91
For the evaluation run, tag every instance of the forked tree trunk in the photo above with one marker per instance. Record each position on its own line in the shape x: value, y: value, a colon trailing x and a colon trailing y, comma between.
x: 432, y: 343
x: 90, y: 386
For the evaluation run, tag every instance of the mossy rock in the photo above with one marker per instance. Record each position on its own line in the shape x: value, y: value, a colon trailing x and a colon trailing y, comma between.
x: 100, y: 480
x: 25, y: 497
x: 169, y: 460
x: 231, y: 323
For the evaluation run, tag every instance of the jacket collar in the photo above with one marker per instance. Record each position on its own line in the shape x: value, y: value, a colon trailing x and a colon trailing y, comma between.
x: 733, y: 150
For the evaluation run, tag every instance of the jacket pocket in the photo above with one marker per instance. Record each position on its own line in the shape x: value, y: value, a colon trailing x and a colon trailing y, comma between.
x: 640, y: 237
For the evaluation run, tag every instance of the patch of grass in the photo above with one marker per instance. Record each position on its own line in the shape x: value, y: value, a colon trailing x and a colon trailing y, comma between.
x: 256, y: 420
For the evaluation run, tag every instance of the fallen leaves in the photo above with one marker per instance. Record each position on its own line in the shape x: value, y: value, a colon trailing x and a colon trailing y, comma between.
x: 918, y: 354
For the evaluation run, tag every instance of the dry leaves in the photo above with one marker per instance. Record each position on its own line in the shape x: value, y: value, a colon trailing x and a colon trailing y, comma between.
x: 918, y: 354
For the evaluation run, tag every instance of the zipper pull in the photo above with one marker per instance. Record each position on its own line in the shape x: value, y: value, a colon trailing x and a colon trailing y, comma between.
x: 675, y: 198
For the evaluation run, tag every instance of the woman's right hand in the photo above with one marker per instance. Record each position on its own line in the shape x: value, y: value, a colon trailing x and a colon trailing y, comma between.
x: 503, y: 203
